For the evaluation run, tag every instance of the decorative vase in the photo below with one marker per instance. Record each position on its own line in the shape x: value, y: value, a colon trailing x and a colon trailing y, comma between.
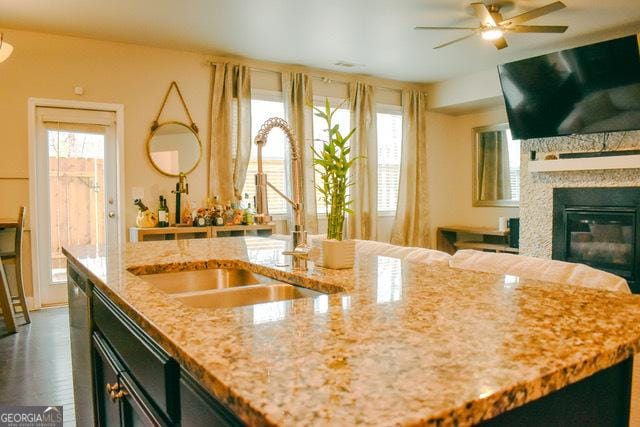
x: 338, y: 254
x: 146, y: 219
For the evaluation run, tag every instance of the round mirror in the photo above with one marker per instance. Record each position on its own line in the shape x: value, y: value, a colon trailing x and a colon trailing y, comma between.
x: 174, y: 147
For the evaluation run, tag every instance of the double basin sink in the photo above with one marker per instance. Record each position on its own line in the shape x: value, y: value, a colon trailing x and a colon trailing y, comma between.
x: 225, y: 287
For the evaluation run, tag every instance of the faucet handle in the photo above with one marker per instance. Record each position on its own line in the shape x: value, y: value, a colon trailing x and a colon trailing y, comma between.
x: 304, y: 252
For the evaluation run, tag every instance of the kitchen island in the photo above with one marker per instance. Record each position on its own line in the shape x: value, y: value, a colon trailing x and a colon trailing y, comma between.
x: 391, y: 343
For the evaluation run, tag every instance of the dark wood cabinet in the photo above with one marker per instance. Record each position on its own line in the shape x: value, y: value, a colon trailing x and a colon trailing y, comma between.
x: 80, y: 328
x: 120, y: 401
x: 146, y: 362
x: 200, y: 409
x: 136, y: 383
x: 106, y: 370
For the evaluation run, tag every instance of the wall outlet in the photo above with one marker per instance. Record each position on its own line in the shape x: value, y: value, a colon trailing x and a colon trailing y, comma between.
x: 137, y: 193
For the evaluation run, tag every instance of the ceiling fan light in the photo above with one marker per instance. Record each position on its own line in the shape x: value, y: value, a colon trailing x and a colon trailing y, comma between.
x: 5, y: 49
x: 492, y: 34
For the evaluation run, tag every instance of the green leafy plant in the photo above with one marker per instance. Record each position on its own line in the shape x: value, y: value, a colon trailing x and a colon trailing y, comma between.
x: 332, y: 163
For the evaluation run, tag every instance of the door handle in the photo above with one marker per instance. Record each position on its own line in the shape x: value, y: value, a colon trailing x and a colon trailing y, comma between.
x: 112, y: 214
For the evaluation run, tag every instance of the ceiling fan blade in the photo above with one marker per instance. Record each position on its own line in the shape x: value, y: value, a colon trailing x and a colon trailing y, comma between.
x: 532, y: 14
x: 444, y: 28
x: 483, y: 13
x: 538, y: 28
x: 500, y: 43
x: 454, y: 41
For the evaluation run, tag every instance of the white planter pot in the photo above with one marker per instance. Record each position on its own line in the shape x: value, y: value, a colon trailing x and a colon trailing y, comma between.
x: 338, y: 254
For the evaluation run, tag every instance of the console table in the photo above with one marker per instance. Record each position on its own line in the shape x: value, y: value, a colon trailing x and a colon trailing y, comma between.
x: 452, y: 238
x: 137, y: 234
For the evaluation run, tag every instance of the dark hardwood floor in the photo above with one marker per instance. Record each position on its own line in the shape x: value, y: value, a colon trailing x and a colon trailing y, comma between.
x: 35, y: 363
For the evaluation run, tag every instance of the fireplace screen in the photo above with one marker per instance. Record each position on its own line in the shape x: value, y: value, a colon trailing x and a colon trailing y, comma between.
x: 601, y: 238
x: 599, y: 227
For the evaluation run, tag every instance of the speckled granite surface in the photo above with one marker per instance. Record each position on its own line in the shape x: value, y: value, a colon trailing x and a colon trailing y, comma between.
x: 399, y: 344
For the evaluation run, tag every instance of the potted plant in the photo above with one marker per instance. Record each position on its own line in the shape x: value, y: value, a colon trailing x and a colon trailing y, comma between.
x: 332, y: 162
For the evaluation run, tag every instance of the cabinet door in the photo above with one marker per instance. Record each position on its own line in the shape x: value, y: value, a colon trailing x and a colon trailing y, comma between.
x: 200, y: 409
x: 136, y: 411
x: 80, y: 337
x: 106, y: 371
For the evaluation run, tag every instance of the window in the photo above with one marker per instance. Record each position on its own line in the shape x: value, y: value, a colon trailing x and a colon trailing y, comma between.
x: 514, y: 165
x: 273, y: 154
x: 389, y: 126
x: 342, y: 117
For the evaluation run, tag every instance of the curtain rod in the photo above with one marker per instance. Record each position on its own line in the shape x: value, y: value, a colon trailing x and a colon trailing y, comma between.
x: 327, y: 75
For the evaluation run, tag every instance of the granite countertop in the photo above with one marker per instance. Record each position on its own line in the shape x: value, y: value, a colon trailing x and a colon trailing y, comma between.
x: 394, y: 343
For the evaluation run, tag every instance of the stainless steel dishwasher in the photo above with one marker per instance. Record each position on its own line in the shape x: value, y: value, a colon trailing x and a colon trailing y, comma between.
x: 80, y: 335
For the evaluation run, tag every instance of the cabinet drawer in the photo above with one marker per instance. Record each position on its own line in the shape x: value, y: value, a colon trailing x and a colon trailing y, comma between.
x: 149, y: 365
x: 199, y: 408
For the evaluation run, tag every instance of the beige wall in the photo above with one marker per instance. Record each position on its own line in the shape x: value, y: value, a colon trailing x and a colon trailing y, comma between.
x: 450, y: 140
x: 469, y: 89
x: 51, y: 66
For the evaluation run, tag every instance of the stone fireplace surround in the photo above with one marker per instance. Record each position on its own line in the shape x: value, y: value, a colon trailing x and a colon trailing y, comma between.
x: 536, y: 189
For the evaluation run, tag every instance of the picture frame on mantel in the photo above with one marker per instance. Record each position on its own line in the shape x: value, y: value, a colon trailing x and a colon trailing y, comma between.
x: 495, y: 167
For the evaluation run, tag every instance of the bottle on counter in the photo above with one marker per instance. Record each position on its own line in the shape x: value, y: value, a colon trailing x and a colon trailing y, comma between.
x: 199, y: 219
x: 238, y: 213
x: 186, y: 216
x: 248, y: 215
x: 216, y: 203
x: 228, y: 215
x: 216, y: 216
x: 217, y: 212
x: 163, y: 213
x: 145, y: 217
x: 244, y: 204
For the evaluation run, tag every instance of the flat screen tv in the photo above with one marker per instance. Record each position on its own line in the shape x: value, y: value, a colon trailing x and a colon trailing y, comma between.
x: 589, y: 89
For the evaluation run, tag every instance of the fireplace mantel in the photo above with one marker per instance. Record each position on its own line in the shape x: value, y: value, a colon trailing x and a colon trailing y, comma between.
x: 588, y: 163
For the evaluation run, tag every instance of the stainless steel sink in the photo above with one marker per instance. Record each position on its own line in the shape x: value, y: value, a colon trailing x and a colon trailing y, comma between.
x: 204, y: 280
x: 246, y: 295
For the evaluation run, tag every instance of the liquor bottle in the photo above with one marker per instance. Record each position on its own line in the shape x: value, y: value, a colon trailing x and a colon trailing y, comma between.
x: 248, y: 215
x: 228, y: 215
x: 238, y: 213
x: 163, y: 213
x: 145, y: 217
x: 166, y: 208
x: 141, y: 206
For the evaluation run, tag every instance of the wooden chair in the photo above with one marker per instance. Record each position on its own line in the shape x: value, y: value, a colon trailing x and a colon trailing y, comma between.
x: 16, y: 255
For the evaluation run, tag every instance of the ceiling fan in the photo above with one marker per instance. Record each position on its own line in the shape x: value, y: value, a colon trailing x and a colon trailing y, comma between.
x: 493, y: 26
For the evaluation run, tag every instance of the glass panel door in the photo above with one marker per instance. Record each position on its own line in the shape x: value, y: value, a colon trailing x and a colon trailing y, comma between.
x: 76, y: 190
x: 76, y: 193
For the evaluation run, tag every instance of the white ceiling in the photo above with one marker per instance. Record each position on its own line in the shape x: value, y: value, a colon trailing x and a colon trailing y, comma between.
x: 375, y: 33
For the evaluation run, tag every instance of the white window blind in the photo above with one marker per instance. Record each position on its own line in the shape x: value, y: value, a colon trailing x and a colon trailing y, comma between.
x: 389, y: 126
x: 514, y: 165
x: 273, y: 155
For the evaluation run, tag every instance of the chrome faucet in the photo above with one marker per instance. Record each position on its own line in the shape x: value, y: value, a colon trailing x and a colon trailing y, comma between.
x: 299, y: 247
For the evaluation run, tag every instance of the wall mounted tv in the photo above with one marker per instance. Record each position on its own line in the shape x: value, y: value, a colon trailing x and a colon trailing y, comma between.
x: 589, y: 89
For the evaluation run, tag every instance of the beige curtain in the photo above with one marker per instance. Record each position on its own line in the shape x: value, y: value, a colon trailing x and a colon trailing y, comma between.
x: 364, y: 175
x: 494, y: 178
x: 229, y: 145
x: 298, y: 96
x: 411, y: 224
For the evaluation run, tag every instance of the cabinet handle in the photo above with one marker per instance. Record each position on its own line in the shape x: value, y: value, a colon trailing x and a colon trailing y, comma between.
x: 112, y: 388
x: 117, y: 395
